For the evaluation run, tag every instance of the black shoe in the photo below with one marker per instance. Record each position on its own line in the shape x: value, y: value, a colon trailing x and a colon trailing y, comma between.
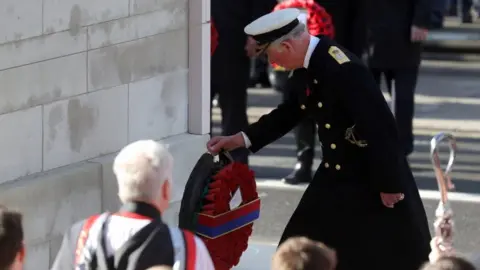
x: 301, y: 174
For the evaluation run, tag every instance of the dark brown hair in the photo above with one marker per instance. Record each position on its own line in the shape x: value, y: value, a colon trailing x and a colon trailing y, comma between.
x: 301, y: 253
x: 450, y: 263
x: 11, y: 236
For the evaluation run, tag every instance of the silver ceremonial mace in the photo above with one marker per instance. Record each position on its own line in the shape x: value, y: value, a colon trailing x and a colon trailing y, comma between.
x: 444, y: 215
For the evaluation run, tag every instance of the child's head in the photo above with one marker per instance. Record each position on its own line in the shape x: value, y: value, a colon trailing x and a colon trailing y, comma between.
x: 12, y: 249
x: 300, y: 253
x: 450, y: 263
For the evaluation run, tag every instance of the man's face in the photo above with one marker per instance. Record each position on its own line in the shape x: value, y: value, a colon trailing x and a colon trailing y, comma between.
x: 282, y: 55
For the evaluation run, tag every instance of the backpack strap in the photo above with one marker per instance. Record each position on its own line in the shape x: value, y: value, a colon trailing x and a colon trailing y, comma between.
x: 190, y: 250
x: 82, y: 238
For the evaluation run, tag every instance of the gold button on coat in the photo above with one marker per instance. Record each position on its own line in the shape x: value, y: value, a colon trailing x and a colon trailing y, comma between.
x: 327, y: 126
x: 320, y: 104
x: 333, y: 146
x: 338, y: 167
x: 302, y: 107
x: 327, y: 165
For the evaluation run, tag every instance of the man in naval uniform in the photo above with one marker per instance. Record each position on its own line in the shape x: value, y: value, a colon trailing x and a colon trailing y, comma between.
x: 363, y: 200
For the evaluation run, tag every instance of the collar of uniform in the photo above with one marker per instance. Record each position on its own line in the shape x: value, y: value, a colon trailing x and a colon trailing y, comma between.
x: 141, y: 208
x: 311, y: 47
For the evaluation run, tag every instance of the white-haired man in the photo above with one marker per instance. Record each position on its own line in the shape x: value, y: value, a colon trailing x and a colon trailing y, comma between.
x: 135, y: 238
x: 363, y: 200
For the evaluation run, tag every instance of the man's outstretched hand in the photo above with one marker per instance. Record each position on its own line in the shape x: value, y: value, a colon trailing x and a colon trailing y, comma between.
x: 227, y: 143
x: 390, y: 199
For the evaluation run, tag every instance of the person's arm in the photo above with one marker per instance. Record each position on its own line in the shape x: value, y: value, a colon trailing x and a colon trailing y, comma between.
x: 203, y: 259
x: 278, y: 122
x: 423, y: 13
x: 374, y: 123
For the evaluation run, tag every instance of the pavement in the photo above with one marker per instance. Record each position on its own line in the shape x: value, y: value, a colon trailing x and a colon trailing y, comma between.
x: 455, y: 36
x: 448, y: 98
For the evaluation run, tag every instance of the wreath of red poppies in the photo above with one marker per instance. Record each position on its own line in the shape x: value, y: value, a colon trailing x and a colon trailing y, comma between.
x: 319, y: 22
x: 227, y: 249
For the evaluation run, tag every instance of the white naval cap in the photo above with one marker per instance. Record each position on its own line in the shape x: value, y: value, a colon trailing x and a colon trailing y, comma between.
x: 273, y: 26
x: 302, y: 18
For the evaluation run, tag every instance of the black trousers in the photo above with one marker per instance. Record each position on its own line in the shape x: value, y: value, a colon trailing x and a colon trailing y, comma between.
x: 401, y: 84
x: 230, y: 69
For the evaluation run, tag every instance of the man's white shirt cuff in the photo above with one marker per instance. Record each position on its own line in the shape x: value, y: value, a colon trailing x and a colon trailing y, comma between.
x: 247, y: 141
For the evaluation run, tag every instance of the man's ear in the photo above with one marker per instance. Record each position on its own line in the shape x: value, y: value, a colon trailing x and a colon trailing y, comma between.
x: 166, y: 190
x: 286, y: 45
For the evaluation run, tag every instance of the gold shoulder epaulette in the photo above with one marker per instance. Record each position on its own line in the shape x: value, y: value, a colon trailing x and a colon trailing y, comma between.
x: 338, y: 55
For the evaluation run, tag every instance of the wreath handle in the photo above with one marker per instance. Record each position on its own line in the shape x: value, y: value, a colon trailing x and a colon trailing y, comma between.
x: 225, y: 156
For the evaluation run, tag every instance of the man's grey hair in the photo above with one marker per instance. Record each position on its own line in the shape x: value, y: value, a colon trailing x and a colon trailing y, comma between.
x: 296, y: 33
x: 142, y: 168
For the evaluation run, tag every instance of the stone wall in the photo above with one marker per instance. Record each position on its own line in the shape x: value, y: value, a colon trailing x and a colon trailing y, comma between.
x: 80, y: 79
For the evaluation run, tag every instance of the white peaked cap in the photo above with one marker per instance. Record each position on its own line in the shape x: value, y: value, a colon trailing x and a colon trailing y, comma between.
x: 302, y: 18
x: 273, y: 21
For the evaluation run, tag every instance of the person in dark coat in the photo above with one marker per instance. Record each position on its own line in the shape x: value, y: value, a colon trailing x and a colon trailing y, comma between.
x: 349, y: 20
x: 396, y: 29
x: 230, y: 65
x: 363, y: 200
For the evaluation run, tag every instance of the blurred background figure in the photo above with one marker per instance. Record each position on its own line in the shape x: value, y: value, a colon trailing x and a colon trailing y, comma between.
x: 259, y: 72
x: 439, y: 9
x: 349, y: 19
x: 12, y: 249
x: 318, y: 22
x: 396, y: 30
x: 230, y: 65
x: 464, y: 9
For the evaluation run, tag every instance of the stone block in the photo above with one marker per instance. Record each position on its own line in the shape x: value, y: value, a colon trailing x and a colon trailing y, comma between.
x: 171, y: 215
x: 143, y: 6
x: 37, y: 257
x: 158, y: 106
x: 59, y: 15
x: 54, y: 247
x: 139, y: 26
x: 110, y: 200
x: 186, y: 150
x: 20, y: 141
x: 137, y: 60
x: 42, y: 48
x: 20, y: 19
x: 51, y: 202
x: 43, y: 82
x: 85, y: 126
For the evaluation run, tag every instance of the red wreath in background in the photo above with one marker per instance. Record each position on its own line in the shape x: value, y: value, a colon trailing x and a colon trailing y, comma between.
x: 319, y: 22
x: 213, y: 38
x: 227, y: 249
